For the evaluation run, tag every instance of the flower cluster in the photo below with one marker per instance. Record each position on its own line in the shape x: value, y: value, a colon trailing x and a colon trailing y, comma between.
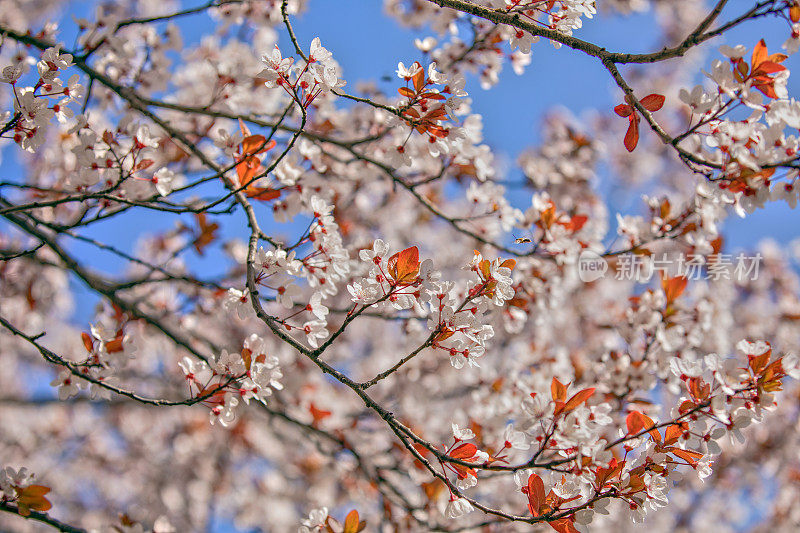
x: 249, y: 374
x: 749, y: 149
x: 304, y: 80
x: 37, y: 105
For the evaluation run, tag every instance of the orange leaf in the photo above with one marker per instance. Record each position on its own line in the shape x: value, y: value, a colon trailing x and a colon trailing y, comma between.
x: 674, y: 287
x: 768, y: 67
x: 247, y: 357
x: 632, y: 135
x: 672, y: 434
x: 578, y: 398
x: 87, y: 342
x: 759, y: 362
x: 256, y: 144
x: 208, y: 233
x: 652, y: 102
x: 690, y: 456
x: 404, y: 266
x: 509, y: 264
x: 419, y: 78
x: 576, y: 222
x: 564, y: 525
x: 405, y: 91
x: 759, y: 54
x: 633, y: 423
x: 558, y: 390
x: 248, y: 168
x: 32, y: 498
x: 698, y: 388
x: 352, y: 524
x: 636, y: 422
x: 767, y: 87
x: 115, y: 345
x: 777, y: 58
x: 464, y: 451
x: 774, y: 370
x: 265, y: 194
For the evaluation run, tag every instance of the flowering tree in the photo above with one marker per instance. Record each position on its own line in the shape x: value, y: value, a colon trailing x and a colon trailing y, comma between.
x: 353, y: 318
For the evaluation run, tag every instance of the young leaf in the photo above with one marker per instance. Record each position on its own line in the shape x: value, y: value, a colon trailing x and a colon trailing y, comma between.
x: 32, y: 498
x: 536, y: 495
x: 208, y: 232
x: 623, y: 110
x: 578, y: 398
x: 652, y: 102
x: 632, y: 135
x: 564, y: 525
x: 404, y: 266
x: 464, y: 451
x: 352, y: 524
x: 759, y: 54
x: 673, y: 287
x: 558, y: 390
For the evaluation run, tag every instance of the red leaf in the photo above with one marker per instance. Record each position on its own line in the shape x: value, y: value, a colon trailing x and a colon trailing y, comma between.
x: 632, y: 135
x: 759, y: 362
x: 318, y: 414
x: 144, y: 163
x: 623, y: 110
x: 652, y: 102
x: 768, y: 88
x: 576, y: 222
x: 536, y: 496
x: 636, y: 422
